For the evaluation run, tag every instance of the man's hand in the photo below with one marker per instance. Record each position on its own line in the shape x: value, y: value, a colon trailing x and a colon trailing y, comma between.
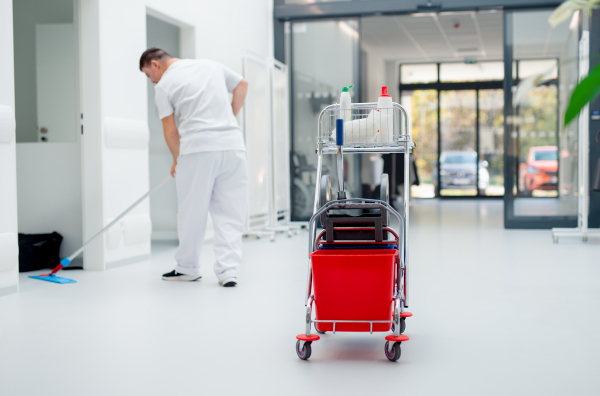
x: 173, y: 167
x: 172, y: 139
x: 239, y: 95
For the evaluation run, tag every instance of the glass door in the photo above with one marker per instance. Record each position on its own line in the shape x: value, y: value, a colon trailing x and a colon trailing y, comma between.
x: 422, y: 107
x: 458, y: 143
x: 491, y: 142
x: 541, y: 70
x: 324, y: 58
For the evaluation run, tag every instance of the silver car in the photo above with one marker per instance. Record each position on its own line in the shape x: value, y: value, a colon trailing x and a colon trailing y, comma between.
x: 458, y: 170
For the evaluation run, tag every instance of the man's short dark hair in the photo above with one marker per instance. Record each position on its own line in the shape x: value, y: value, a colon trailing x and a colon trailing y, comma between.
x: 153, y: 54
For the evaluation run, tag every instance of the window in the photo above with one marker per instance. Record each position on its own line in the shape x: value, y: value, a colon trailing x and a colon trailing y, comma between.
x: 418, y: 73
x: 480, y: 71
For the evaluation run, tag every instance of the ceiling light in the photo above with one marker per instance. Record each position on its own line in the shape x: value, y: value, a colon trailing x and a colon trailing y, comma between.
x: 455, y: 13
x: 489, y: 10
x: 424, y: 14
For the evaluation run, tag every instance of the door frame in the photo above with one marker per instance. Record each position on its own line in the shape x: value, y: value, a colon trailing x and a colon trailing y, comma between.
x: 510, y: 220
x: 292, y: 96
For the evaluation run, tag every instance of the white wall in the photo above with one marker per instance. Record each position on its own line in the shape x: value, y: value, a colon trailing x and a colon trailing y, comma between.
x: 374, y: 75
x: 124, y: 109
x: 223, y: 28
x: 8, y: 193
x: 113, y: 35
x: 163, y: 204
x: 392, y: 79
x: 49, y: 191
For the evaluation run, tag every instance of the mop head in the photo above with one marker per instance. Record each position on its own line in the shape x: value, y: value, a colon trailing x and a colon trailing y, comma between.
x: 53, y: 278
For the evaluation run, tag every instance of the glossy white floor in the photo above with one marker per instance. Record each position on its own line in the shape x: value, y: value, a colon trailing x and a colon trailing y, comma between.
x: 497, y: 312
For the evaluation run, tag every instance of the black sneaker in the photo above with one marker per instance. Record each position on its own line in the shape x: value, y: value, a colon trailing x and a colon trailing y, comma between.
x: 229, y: 282
x: 176, y: 276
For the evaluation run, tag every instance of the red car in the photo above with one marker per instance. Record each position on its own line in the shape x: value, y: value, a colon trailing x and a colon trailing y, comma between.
x: 542, y: 169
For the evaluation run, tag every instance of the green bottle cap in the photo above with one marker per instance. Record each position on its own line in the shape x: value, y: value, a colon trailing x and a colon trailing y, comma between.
x: 345, y: 89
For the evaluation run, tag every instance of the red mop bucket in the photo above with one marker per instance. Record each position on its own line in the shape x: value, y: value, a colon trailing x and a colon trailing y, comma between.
x: 353, y: 284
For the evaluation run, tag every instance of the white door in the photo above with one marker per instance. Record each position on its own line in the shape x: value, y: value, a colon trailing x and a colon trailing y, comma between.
x: 56, y: 82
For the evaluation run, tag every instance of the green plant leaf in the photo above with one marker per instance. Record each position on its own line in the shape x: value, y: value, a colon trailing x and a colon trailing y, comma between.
x: 585, y: 92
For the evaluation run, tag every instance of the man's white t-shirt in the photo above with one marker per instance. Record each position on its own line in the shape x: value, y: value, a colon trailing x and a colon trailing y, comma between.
x: 197, y: 91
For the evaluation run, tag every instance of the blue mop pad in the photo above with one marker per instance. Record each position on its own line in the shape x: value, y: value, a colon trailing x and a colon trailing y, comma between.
x: 53, y: 278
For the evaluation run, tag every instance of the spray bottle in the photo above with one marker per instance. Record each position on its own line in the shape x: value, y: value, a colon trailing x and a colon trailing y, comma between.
x: 384, y: 118
x: 346, y: 104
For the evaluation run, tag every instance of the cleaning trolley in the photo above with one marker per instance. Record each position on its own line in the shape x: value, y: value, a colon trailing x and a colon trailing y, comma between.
x: 358, y: 264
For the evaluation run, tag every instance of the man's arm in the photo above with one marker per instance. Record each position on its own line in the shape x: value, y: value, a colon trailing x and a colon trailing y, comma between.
x: 239, y: 95
x: 172, y: 139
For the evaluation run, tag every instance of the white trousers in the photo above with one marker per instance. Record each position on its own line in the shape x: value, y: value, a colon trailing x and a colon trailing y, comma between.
x: 215, y: 182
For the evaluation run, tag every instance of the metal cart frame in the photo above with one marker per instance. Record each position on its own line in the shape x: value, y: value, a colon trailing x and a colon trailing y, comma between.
x: 397, y: 143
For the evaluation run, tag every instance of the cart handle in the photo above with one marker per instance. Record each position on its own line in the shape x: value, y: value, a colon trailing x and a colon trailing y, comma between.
x: 397, y: 241
x: 351, y: 203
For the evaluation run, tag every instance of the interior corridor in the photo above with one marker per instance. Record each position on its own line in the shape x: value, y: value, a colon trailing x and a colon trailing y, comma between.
x: 496, y: 312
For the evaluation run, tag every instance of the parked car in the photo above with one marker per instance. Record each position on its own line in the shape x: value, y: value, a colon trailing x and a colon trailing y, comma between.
x: 542, y: 169
x: 458, y: 170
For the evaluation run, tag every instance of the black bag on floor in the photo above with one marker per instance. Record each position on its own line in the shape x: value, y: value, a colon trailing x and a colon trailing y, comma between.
x: 39, y: 251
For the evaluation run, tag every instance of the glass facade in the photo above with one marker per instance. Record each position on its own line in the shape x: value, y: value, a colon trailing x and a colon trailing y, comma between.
x: 541, y: 154
x: 324, y: 59
x: 482, y: 128
x: 469, y: 162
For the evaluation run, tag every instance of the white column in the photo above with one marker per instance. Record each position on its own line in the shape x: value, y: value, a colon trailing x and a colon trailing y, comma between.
x: 115, y: 139
x: 9, y: 260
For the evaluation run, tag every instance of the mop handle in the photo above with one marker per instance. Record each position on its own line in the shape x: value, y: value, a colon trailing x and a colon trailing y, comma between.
x: 66, y: 261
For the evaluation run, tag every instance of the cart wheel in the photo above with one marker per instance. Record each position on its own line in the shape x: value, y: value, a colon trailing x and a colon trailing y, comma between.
x: 319, y: 331
x: 304, y: 351
x: 393, y: 354
x: 402, y: 325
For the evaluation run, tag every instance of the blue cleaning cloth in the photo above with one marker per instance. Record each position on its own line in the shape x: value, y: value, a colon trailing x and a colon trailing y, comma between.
x: 53, y: 278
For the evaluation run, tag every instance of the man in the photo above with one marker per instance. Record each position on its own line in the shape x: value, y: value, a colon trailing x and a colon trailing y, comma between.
x: 209, y: 159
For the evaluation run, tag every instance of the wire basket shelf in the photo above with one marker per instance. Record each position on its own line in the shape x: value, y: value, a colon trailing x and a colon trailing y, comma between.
x: 367, y: 128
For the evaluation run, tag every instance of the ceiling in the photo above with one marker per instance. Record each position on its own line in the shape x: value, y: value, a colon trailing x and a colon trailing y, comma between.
x: 447, y: 36
x: 455, y: 36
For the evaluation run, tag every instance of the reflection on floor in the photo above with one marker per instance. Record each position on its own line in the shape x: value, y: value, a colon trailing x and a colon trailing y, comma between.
x: 545, y: 206
x: 427, y: 190
x: 497, y: 312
